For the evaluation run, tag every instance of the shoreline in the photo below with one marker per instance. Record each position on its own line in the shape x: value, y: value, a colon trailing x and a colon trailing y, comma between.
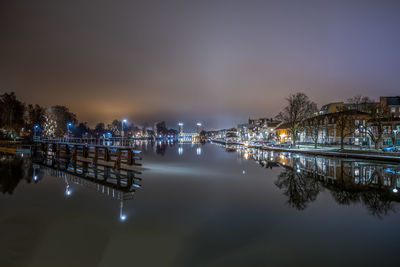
x: 355, y: 154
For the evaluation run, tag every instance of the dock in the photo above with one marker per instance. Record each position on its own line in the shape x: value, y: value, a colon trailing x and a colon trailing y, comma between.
x: 116, y: 157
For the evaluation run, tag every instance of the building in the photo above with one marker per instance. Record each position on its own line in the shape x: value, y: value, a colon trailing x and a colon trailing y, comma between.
x: 282, y: 133
x: 263, y: 129
x: 331, y: 108
x: 393, y: 104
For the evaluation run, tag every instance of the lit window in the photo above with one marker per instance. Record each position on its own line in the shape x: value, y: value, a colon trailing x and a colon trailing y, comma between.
x: 393, y: 109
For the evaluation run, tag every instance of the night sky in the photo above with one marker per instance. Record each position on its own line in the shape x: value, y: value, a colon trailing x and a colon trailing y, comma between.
x: 217, y: 62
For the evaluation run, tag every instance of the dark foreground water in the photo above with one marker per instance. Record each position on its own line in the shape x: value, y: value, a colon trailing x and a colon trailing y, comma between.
x: 202, y: 206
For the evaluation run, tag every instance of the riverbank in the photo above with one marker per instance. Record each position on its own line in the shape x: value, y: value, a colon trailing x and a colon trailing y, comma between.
x: 14, y: 147
x: 356, y: 154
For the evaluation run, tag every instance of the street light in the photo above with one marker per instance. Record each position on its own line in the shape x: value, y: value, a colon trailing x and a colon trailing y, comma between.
x: 123, y: 122
x: 68, y: 126
x: 34, y: 130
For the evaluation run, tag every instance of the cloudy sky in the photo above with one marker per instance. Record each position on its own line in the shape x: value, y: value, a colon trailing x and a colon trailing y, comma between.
x: 217, y: 62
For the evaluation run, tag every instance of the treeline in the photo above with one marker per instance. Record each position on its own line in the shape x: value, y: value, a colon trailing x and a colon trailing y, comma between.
x: 20, y: 119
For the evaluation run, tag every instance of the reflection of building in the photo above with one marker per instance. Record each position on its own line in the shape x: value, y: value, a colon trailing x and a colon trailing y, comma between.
x: 349, y: 174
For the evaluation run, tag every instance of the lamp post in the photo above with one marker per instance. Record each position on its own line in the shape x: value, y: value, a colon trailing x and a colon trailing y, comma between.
x: 122, y: 132
x: 68, y: 130
x: 395, y: 136
x: 34, y: 131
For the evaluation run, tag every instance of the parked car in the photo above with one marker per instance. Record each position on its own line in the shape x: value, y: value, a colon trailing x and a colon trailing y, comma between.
x: 389, y: 149
x: 286, y: 144
x: 271, y: 144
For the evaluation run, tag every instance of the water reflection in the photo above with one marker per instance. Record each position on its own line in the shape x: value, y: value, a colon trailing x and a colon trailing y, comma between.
x: 14, y: 169
x: 373, y: 184
x: 117, y: 184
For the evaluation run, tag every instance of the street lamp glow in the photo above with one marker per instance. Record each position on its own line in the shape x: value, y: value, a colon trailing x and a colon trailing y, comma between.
x: 180, y: 124
x: 198, y: 124
x: 395, y: 190
x: 124, y: 120
x: 122, y: 217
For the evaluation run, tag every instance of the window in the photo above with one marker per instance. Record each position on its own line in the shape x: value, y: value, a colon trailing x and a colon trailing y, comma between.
x: 393, y: 109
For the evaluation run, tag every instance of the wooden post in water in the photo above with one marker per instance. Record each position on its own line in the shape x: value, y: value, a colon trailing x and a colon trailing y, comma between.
x: 117, y: 164
x: 130, y: 157
x: 74, y: 152
x: 96, y: 154
x: 106, y: 154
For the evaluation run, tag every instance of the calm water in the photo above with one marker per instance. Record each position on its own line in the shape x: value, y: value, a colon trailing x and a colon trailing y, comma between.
x: 202, y: 205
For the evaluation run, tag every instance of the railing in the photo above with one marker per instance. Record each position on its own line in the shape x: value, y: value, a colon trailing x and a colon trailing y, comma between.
x: 117, y: 157
x: 113, y: 141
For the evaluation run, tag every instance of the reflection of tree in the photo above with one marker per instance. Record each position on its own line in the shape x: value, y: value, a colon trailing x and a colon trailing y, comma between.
x: 343, y: 197
x: 12, y: 171
x: 376, y: 203
x: 298, y: 187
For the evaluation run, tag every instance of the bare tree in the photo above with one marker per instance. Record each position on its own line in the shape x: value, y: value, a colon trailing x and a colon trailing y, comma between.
x: 360, y: 103
x: 312, y: 126
x: 345, y: 124
x: 380, y: 117
x: 299, y: 108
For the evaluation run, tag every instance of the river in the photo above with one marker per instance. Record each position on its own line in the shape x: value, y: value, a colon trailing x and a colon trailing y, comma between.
x: 201, y: 205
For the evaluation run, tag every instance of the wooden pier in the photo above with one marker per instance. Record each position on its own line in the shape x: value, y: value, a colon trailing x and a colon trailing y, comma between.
x: 116, y: 157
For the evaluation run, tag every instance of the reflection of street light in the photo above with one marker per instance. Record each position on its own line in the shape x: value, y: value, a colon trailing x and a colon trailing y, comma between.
x: 122, y: 216
x: 68, y: 191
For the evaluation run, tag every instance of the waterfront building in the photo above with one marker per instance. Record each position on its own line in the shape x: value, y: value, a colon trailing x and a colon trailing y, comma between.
x: 326, y: 128
x: 262, y: 129
x: 282, y: 133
